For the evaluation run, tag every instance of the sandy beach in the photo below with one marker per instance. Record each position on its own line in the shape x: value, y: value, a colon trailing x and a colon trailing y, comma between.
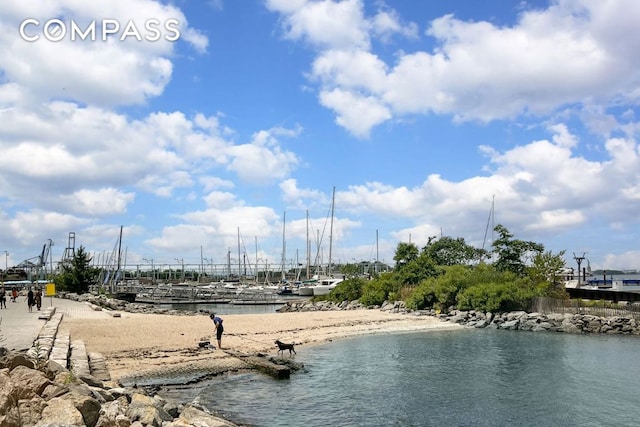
x: 147, y: 344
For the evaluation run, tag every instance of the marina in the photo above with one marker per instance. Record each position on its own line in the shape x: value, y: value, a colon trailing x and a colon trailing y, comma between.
x: 212, y: 293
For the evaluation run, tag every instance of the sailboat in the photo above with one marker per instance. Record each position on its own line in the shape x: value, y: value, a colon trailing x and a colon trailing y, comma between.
x: 326, y: 284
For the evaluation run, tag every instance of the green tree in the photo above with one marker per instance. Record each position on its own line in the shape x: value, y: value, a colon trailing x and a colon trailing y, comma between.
x: 405, y: 253
x: 513, y: 254
x: 349, y: 270
x: 547, y: 270
x: 78, y: 275
x: 450, y: 251
x: 415, y: 271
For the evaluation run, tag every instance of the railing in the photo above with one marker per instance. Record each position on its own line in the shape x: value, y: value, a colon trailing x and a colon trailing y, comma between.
x: 601, y: 308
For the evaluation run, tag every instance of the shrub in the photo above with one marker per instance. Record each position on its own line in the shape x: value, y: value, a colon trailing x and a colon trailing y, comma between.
x: 423, y: 296
x: 347, y: 290
x: 496, y: 297
x: 377, y: 291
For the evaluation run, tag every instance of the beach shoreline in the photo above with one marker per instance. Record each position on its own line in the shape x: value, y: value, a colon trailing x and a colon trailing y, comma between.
x: 141, y: 345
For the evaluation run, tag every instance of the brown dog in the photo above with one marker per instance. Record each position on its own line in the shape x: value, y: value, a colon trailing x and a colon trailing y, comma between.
x: 283, y: 346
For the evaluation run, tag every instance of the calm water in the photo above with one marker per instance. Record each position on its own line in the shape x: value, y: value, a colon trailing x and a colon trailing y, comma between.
x: 223, y: 309
x: 452, y: 378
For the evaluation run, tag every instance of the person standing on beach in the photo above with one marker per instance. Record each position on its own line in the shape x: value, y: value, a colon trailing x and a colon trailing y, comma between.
x: 3, y: 298
x: 217, y: 322
x: 14, y: 294
x: 30, y: 300
x: 38, y: 299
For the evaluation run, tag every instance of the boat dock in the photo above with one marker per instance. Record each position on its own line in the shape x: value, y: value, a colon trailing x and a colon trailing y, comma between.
x: 192, y: 293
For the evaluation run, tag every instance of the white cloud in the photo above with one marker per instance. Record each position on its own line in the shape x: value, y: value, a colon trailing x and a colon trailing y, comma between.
x: 263, y: 161
x: 327, y: 24
x: 386, y: 23
x: 104, y: 73
x: 106, y: 201
x: 356, y: 112
x: 568, y: 54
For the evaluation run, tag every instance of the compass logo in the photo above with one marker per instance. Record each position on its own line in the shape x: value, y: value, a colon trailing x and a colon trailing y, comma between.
x: 55, y: 30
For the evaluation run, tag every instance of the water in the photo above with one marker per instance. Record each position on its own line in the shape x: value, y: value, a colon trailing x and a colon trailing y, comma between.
x: 452, y: 378
x: 223, y: 309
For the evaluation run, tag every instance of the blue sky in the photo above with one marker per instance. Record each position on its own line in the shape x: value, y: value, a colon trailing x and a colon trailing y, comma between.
x: 420, y: 114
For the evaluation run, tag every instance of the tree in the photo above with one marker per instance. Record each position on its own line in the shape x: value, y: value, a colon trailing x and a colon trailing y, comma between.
x: 547, y: 269
x: 450, y: 251
x: 79, y: 275
x: 513, y: 254
x: 350, y: 270
x: 405, y: 253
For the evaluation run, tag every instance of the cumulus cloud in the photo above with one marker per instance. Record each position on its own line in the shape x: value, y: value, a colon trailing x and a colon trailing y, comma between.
x: 263, y: 160
x: 91, y: 71
x: 566, y: 54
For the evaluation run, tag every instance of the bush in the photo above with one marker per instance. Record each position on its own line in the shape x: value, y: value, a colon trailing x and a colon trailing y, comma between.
x: 496, y: 297
x: 440, y: 292
x: 423, y: 296
x: 377, y: 291
x: 347, y: 290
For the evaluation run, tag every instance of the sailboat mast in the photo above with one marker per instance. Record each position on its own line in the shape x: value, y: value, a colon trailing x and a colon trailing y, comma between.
x: 377, y: 254
x: 308, y: 246
x: 239, y: 258
x: 490, y: 220
x: 256, y: 240
x: 333, y: 199
x: 284, y: 244
x: 119, y: 247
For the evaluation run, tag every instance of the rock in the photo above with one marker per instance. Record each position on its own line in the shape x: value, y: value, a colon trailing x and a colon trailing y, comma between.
x: 196, y: 417
x: 88, y: 407
x: 28, y: 383
x: 31, y: 410
x: 60, y: 411
x: 510, y: 325
x: 569, y: 327
x: 143, y: 408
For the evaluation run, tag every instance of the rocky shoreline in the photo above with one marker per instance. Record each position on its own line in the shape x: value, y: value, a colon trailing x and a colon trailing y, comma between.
x: 574, y: 323
x: 38, y: 393
x: 553, y: 322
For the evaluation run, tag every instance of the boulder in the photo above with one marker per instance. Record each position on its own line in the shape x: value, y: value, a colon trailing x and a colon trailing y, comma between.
x: 28, y: 383
x: 30, y: 410
x: 60, y: 411
x: 195, y: 417
x: 144, y: 409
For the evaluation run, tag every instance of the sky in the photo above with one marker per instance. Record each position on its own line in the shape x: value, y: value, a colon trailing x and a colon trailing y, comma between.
x: 215, y: 130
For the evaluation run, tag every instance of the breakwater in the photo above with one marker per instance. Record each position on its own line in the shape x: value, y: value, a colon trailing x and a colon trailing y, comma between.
x: 515, y: 320
x: 552, y: 322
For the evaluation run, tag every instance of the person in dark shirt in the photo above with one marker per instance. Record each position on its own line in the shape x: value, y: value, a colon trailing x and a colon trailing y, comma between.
x: 31, y: 301
x: 218, y: 328
x: 3, y: 298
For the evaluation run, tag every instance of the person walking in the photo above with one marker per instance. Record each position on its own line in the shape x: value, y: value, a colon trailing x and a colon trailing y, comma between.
x: 3, y: 298
x: 14, y: 294
x: 38, y: 299
x: 30, y: 300
x: 217, y: 322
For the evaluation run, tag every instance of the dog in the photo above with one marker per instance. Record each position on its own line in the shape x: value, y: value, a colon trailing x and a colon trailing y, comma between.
x: 283, y: 346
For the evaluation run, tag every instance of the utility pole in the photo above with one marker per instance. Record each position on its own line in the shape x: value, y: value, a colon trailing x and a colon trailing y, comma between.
x: 579, y: 260
x: 6, y: 257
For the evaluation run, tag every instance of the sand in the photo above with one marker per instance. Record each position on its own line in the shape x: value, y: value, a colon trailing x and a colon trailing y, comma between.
x: 147, y: 344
